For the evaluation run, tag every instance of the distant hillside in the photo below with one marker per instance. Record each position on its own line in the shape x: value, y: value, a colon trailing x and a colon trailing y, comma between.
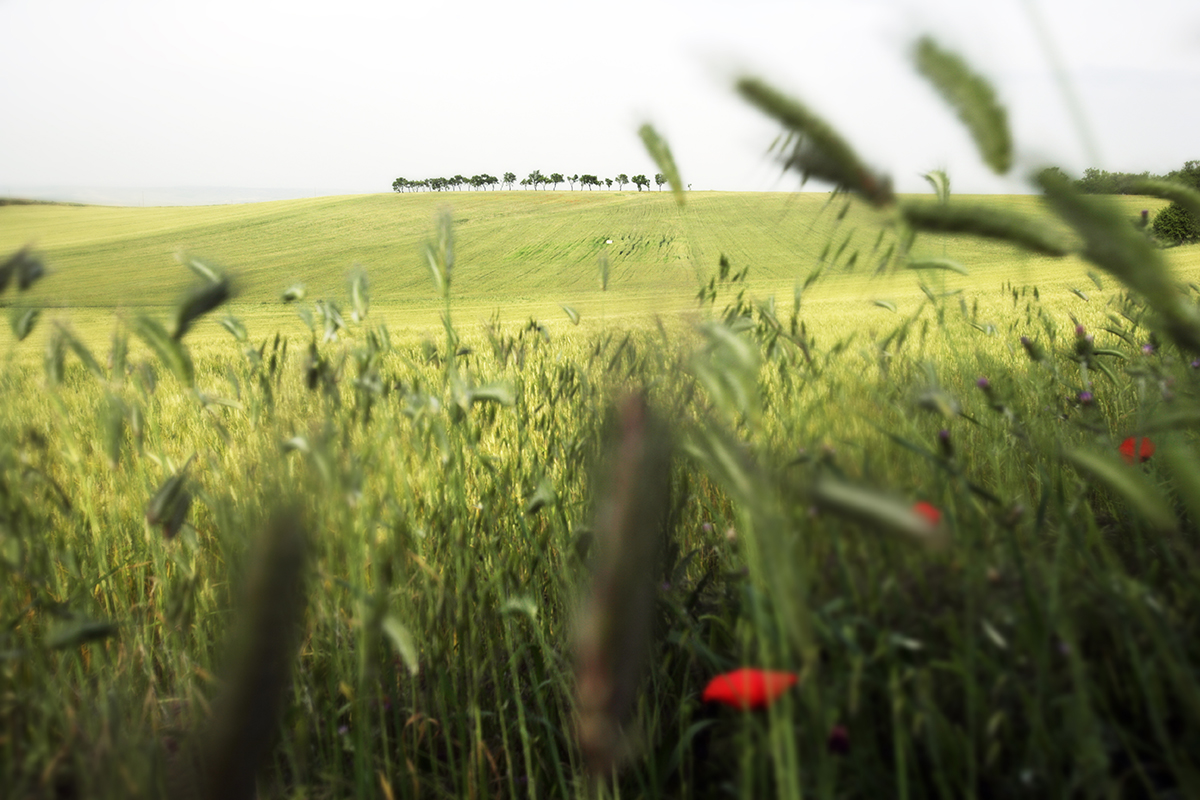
x: 511, y: 247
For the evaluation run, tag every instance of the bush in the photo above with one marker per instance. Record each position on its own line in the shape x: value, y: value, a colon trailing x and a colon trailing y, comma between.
x: 1174, y: 225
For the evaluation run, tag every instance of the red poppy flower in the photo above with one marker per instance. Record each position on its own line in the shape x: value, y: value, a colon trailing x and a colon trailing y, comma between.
x: 928, y: 511
x: 1142, y: 446
x: 748, y: 688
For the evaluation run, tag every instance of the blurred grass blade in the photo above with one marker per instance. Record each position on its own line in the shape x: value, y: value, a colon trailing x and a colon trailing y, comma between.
x: 571, y: 313
x: 938, y: 263
x: 728, y: 369
x: 940, y: 182
x: 359, y: 298
x: 1184, y: 469
x: 500, y: 392
x: 876, y: 510
x: 206, y: 271
x: 989, y: 222
x: 26, y: 267
x: 1130, y: 483
x: 660, y: 151
x: 818, y: 150
x: 235, y: 327
x: 604, y: 270
x: 1169, y: 190
x: 23, y: 321
x: 55, y: 356
x: 1170, y: 420
x: 544, y: 495
x: 115, y: 414
x: 170, y: 351
x: 75, y: 633
x: 118, y: 355
x: 402, y: 639
x: 294, y: 293
x: 82, y: 353
x: 972, y: 97
x: 435, y: 270
x: 198, y: 303
x: 439, y: 255
x: 617, y: 619
x: 888, y: 304
x: 164, y: 506
x: 1118, y: 248
x: 247, y: 713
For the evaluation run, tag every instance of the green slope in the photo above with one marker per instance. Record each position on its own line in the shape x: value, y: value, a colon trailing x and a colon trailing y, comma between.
x: 514, y: 249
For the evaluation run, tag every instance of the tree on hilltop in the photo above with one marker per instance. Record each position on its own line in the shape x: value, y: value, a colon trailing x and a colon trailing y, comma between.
x: 608, y: 182
x: 536, y: 178
x: 660, y: 179
x: 400, y: 184
x: 555, y: 178
x: 509, y: 179
x: 571, y: 180
x: 589, y: 181
x: 622, y: 179
x: 640, y: 181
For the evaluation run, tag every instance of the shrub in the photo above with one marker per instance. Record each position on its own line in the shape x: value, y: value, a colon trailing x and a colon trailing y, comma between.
x: 1174, y: 225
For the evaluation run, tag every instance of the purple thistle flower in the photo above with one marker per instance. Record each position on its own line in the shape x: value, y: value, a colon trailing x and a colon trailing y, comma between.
x: 1080, y: 331
x: 1147, y: 348
x: 1086, y: 398
x: 1196, y: 364
x: 983, y: 383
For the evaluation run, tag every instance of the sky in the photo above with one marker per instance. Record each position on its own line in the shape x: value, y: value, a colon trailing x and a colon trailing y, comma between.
x: 227, y: 100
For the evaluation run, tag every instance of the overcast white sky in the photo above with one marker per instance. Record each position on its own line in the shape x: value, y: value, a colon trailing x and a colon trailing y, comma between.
x: 343, y: 97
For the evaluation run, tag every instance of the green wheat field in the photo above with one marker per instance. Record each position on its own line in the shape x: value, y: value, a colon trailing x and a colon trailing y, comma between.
x: 486, y: 502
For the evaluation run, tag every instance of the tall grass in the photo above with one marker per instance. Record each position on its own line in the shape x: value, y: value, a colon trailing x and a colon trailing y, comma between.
x: 507, y: 561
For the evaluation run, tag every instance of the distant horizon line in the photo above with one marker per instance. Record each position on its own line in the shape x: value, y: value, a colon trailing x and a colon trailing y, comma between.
x: 167, y: 196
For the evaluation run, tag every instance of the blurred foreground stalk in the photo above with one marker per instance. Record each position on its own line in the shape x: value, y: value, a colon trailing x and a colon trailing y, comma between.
x: 618, y: 615
x: 258, y: 673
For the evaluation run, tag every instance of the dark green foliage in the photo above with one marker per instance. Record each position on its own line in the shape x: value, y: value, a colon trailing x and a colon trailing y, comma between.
x: 1098, y: 181
x: 972, y: 98
x: 1176, y: 225
x: 1188, y: 175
